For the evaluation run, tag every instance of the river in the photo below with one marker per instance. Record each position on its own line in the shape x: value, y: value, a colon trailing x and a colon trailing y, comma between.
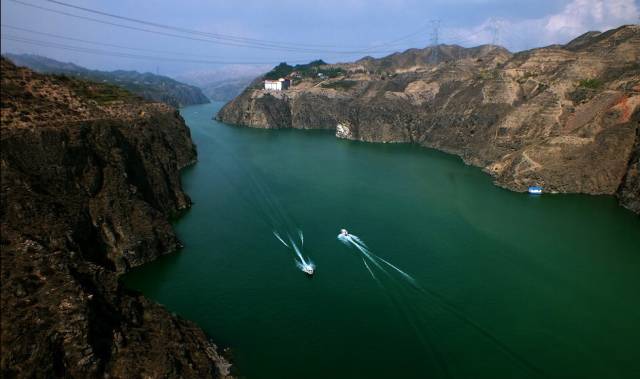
x: 498, y: 284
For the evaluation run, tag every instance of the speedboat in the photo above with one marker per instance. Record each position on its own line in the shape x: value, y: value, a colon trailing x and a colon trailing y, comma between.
x: 308, y: 269
x: 535, y: 190
x: 344, y: 232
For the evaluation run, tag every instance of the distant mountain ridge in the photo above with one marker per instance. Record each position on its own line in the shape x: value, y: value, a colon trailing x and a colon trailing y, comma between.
x: 225, y: 90
x: 223, y: 84
x: 150, y: 86
x: 414, y: 58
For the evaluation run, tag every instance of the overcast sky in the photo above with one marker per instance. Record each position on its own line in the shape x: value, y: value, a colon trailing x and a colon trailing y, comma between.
x: 336, y: 30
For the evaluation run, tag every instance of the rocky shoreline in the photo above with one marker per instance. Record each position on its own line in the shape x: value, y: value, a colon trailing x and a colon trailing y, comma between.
x: 84, y: 199
x: 564, y: 116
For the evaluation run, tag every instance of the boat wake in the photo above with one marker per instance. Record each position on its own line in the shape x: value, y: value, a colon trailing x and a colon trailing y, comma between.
x: 354, y: 241
x: 253, y: 188
x: 304, y: 264
x: 415, y: 302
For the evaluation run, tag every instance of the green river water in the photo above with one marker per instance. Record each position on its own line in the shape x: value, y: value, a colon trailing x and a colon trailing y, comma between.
x: 506, y: 285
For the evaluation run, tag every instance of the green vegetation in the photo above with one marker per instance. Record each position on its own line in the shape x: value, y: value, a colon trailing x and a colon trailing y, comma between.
x: 310, y: 69
x: 590, y: 83
x: 585, y: 90
x: 332, y: 72
x: 99, y: 92
x: 280, y: 71
x: 340, y: 84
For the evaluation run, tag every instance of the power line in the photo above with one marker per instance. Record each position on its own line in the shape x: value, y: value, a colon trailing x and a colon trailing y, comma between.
x: 157, y: 31
x: 137, y: 49
x: 220, y: 39
x: 456, y: 38
x: 210, y: 37
x: 121, y: 54
x: 104, y: 43
x: 180, y: 29
x: 419, y: 31
x: 461, y: 36
x: 220, y: 35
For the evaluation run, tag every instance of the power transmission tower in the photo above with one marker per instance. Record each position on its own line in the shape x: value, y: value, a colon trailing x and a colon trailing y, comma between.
x: 435, y: 36
x: 494, y: 27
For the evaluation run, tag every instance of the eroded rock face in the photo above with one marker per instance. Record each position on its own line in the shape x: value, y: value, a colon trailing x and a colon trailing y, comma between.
x: 630, y: 188
x: 344, y: 131
x: 83, y: 200
x: 564, y: 117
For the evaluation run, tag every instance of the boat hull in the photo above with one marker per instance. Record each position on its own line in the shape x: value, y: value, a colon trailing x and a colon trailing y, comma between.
x: 535, y: 190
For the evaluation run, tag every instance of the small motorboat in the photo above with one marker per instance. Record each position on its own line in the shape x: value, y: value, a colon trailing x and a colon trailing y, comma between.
x: 344, y: 232
x: 308, y: 269
x: 535, y: 190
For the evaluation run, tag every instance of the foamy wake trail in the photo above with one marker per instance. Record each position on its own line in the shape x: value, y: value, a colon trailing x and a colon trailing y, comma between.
x: 407, y: 276
x: 369, y: 256
x: 355, y: 241
x: 412, y: 318
x: 297, y: 250
x: 369, y: 269
x: 301, y: 262
x: 280, y: 238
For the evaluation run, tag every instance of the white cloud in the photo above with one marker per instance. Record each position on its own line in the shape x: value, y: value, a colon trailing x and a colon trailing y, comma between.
x: 582, y: 15
x: 576, y: 18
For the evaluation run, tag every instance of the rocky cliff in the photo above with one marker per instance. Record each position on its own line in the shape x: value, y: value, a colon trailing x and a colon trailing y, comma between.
x: 150, y: 86
x: 564, y: 116
x: 90, y: 176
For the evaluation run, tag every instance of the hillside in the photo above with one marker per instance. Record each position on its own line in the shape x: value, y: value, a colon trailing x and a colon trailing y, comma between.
x: 150, y: 86
x: 564, y: 117
x: 90, y: 177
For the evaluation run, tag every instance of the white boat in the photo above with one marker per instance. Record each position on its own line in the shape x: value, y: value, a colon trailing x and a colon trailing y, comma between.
x: 535, y: 190
x: 344, y: 232
x: 308, y: 269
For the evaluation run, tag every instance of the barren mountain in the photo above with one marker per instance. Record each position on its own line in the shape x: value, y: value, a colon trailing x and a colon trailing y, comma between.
x: 564, y: 116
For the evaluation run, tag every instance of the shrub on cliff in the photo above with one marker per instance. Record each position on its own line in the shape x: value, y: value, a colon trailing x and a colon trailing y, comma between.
x: 310, y: 69
x: 590, y: 83
x: 280, y: 71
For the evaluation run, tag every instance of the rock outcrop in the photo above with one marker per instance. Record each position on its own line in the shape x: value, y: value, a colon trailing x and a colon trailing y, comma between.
x: 90, y: 176
x: 564, y: 117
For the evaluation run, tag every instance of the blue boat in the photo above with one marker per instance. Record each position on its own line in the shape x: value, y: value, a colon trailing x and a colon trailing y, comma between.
x: 535, y: 190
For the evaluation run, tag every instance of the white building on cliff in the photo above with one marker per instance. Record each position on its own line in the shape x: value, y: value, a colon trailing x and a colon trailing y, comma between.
x: 277, y: 85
